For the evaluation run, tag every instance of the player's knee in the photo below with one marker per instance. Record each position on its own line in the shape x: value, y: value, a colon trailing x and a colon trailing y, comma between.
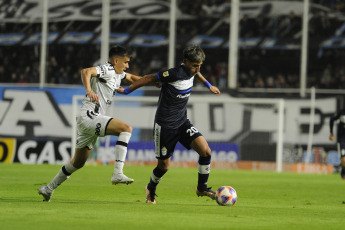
x: 205, y: 152
x: 163, y: 166
x: 127, y: 128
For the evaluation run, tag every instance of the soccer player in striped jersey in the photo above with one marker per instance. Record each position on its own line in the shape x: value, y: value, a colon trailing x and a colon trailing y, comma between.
x: 101, y: 83
x: 171, y: 123
x: 340, y: 117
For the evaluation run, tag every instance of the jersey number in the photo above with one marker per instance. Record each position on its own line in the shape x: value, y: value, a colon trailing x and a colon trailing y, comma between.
x: 192, y: 131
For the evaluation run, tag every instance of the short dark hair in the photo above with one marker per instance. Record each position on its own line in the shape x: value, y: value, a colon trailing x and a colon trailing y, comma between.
x: 118, y: 51
x: 194, y: 54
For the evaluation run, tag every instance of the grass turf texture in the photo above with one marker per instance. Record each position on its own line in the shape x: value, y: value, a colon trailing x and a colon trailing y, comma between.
x: 87, y: 200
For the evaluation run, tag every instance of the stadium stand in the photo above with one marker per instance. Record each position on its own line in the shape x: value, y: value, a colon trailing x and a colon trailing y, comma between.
x: 261, y: 65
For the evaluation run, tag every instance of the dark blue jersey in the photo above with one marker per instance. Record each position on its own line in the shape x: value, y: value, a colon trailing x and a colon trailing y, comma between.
x: 341, y: 124
x: 172, y: 105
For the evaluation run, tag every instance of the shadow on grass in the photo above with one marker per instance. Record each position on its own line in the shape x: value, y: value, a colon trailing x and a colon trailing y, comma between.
x: 88, y: 202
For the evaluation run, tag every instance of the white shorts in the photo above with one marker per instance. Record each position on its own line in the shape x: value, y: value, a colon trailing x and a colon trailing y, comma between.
x: 90, y: 126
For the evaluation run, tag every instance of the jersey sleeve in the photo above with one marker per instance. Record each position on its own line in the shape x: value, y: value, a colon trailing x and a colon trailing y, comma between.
x: 169, y: 75
x: 101, y: 71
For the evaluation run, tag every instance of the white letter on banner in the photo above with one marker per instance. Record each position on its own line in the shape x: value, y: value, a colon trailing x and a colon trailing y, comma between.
x: 63, y: 150
x: 47, y: 154
x: 22, y: 152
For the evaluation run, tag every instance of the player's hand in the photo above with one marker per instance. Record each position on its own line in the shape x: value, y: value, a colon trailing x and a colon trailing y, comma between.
x: 215, y: 90
x: 120, y: 90
x: 93, y: 97
x: 331, y: 137
x: 157, y: 84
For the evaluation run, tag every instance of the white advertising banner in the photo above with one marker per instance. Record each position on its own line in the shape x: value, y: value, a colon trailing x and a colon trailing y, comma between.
x: 43, y: 113
x: 36, y: 124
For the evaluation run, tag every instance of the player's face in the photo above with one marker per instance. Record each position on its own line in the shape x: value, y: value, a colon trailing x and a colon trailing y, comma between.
x: 192, y: 67
x: 121, y: 64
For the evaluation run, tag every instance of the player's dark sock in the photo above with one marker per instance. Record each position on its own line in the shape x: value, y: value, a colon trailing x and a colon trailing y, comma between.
x: 156, y: 176
x: 204, y: 164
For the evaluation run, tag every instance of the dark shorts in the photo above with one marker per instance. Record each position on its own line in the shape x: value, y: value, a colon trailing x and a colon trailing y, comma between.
x: 166, y: 139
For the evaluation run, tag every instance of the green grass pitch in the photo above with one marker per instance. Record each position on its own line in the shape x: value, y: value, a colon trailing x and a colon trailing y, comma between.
x: 87, y: 200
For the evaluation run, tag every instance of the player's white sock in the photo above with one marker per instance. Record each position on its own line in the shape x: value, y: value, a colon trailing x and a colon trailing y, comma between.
x: 62, y: 175
x: 121, y: 151
x: 204, y: 166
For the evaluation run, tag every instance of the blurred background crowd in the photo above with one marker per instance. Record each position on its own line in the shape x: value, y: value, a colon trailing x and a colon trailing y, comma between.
x: 260, y: 65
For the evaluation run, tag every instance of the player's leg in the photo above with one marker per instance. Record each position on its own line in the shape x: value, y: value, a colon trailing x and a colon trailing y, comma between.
x: 156, y: 176
x: 165, y: 141
x: 77, y: 162
x: 123, y: 131
x: 342, y: 172
x: 341, y: 150
x: 200, y: 145
x: 192, y: 138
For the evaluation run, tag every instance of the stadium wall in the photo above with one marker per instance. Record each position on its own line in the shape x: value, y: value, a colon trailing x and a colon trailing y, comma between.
x: 36, y: 128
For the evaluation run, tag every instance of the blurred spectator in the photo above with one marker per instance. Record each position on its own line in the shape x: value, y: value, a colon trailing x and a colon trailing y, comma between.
x: 222, y: 74
x: 259, y: 83
x: 280, y: 81
x: 22, y: 79
x: 156, y: 63
x: 14, y: 77
x: 270, y: 82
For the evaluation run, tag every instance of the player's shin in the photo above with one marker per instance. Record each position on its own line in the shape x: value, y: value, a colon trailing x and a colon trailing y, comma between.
x: 121, y: 151
x: 155, y: 178
x: 204, y: 166
x: 62, y: 175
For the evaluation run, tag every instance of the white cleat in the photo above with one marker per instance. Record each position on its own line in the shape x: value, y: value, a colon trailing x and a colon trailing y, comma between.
x: 121, y: 179
x: 46, y: 193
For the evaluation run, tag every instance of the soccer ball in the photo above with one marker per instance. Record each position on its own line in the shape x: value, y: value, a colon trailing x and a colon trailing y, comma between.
x: 226, y: 196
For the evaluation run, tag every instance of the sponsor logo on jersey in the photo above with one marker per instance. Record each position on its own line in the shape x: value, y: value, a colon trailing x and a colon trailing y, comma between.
x: 183, y: 96
x: 165, y: 74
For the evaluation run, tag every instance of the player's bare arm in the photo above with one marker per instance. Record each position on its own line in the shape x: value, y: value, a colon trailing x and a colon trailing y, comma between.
x: 331, y: 137
x: 203, y: 80
x: 86, y: 75
x: 147, y: 79
x: 130, y: 78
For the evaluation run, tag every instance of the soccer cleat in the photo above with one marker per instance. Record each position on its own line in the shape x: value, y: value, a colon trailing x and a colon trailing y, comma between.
x: 150, y: 196
x: 206, y: 192
x: 121, y: 179
x: 46, y: 193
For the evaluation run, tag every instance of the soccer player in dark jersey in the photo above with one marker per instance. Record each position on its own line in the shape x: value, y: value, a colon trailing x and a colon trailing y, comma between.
x: 340, y: 117
x: 171, y: 124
